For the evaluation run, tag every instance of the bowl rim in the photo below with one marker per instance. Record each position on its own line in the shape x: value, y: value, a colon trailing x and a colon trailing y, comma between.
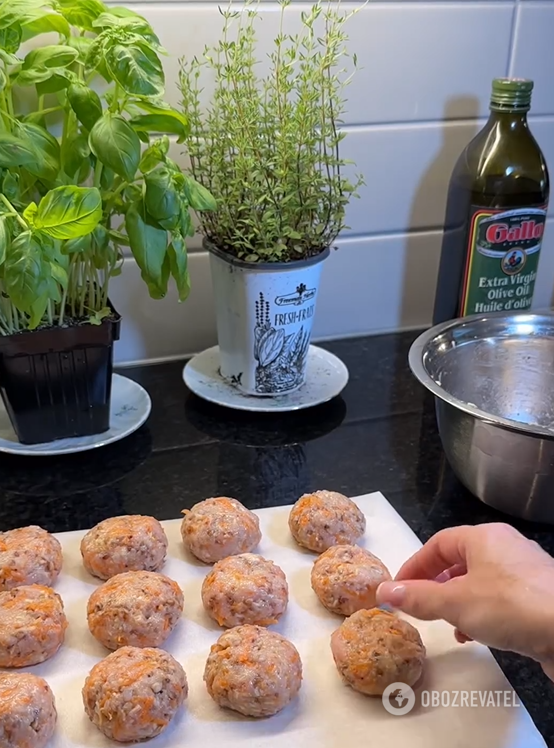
x: 415, y: 361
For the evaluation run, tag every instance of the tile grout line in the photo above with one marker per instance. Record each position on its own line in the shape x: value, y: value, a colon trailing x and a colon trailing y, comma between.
x: 513, y: 39
x: 423, y: 123
x: 356, y: 237
x: 307, y: 3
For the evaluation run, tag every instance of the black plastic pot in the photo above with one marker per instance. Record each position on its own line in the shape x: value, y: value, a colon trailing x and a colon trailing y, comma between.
x: 56, y: 382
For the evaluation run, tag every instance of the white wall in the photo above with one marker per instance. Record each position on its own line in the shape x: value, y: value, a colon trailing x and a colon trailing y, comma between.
x: 421, y: 95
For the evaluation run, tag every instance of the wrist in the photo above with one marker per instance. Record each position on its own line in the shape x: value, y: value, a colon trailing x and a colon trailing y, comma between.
x: 542, y: 637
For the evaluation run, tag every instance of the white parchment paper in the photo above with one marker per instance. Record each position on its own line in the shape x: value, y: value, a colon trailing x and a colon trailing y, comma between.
x: 327, y: 713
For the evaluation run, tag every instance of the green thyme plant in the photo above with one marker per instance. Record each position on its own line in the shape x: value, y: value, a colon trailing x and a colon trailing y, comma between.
x: 76, y: 185
x: 267, y: 147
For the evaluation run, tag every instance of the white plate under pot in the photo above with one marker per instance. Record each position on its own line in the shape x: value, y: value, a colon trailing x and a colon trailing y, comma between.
x: 130, y: 407
x: 326, y: 377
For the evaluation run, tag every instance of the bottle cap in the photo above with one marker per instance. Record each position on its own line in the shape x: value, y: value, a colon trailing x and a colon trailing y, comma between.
x: 511, y: 94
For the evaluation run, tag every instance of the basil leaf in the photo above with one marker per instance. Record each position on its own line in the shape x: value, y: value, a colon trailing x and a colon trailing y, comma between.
x: 198, y: 196
x: 52, y: 249
x: 38, y: 308
x: 10, y: 186
x: 25, y: 275
x: 116, y: 237
x: 172, y: 166
x: 33, y: 76
x: 82, y: 44
x: 81, y: 13
x: 163, y: 122
x: 101, y: 239
x: 133, y: 193
x: 46, y: 24
x: 57, y: 82
x: 130, y: 21
x: 178, y: 263
x: 136, y: 67
x: 97, y: 317
x: 30, y: 212
x: 59, y: 274
x: 50, y: 56
x: 106, y: 179
x: 187, y: 228
x: 46, y: 164
x: 121, y: 12
x: 148, y: 244
x: 16, y: 151
x: 95, y: 59
x: 116, y: 144
x: 10, y: 39
x: 8, y: 58
x: 75, y: 150
x: 154, y: 154
x: 85, y: 103
x: 76, y: 246
x: 4, y: 239
x: 69, y: 212
x: 161, y: 199
x: 84, y: 171
x: 14, y: 12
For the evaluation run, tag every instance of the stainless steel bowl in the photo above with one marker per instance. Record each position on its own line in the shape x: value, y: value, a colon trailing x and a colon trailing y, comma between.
x: 493, y: 381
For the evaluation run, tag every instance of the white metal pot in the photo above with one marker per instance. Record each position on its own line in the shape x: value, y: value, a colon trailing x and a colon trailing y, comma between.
x: 264, y: 315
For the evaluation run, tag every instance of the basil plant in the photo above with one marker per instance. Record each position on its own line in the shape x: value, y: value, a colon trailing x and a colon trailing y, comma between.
x: 84, y: 165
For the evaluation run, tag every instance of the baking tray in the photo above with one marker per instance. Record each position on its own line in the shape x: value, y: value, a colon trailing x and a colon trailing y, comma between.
x: 327, y: 714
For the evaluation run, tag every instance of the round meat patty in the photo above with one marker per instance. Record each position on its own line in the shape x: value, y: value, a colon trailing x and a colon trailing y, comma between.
x: 129, y: 543
x: 253, y: 671
x: 29, y: 555
x: 134, y: 693
x: 345, y: 578
x: 245, y: 589
x: 27, y: 711
x: 324, y: 518
x: 32, y: 625
x: 373, y: 649
x: 220, y: 527
x: 136, y: 609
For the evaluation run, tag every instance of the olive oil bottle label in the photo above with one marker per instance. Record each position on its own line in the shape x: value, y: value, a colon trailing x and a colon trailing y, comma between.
x: 502, y: 259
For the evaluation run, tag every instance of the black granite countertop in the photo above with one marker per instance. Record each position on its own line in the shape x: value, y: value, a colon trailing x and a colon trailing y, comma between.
x: 380, y: 435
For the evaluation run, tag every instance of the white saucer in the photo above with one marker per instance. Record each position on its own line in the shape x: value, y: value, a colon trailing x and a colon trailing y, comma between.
x: 130, y: 407
x: 326, y: 378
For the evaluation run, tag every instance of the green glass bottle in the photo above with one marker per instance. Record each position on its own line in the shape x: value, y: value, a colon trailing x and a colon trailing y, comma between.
x: 495, y: 213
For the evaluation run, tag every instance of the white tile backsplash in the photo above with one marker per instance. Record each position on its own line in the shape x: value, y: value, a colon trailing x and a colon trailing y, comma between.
x: 379, y: 283
x: 409, y: 55
x: 155, y: 329
x: 436, y: 35
x: 420, y: 95
x: 406, y: 170
x: 533, y: 55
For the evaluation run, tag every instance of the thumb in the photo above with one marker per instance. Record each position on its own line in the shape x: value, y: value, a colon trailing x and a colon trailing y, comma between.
x: 428, y: 601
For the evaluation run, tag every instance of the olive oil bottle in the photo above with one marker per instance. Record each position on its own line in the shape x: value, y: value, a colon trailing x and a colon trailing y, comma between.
x: 495, y: 213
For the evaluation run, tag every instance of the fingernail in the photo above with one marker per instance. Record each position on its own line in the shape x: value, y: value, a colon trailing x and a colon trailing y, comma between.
x: 391, y: 594
x: 444, y: 576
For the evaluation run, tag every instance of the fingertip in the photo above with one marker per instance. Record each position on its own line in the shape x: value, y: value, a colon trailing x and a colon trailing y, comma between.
x: 391, y: 594
x: 461, y: 638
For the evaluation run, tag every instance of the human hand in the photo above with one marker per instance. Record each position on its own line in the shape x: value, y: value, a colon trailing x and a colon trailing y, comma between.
x: 488, y: 581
